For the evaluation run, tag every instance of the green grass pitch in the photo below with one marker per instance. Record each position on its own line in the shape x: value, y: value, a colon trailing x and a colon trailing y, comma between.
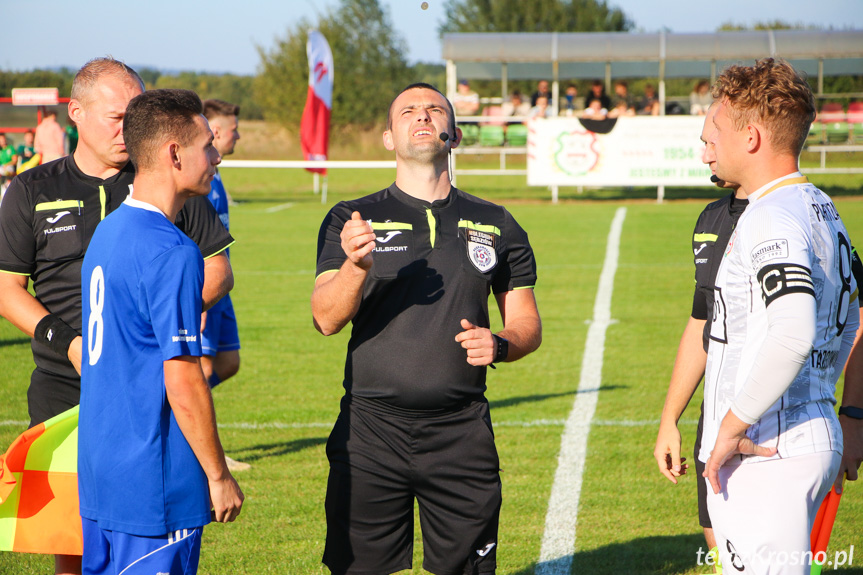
x: 277, y: 412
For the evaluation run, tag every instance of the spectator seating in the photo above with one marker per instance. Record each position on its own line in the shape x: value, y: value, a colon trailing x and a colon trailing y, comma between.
x: 855, y: 119
x: 491, y: 135
x: 516, y: 135
x: 835, y: 122
x: 469, y: 134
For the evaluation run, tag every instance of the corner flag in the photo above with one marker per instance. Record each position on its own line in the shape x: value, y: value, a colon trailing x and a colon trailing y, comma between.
x: 39, y: 489
x: 315, y: 124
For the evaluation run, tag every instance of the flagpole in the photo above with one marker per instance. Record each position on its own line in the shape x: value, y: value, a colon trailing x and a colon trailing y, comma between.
x: 316, y: 179
x: 324, y: 193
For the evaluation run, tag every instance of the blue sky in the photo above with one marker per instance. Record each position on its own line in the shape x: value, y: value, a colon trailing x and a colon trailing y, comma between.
x: 222, y: 36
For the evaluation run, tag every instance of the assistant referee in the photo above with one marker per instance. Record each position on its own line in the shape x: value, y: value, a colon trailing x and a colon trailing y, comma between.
x: 412, y: 267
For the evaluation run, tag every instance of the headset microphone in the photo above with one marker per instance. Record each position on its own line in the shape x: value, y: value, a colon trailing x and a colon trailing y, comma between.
x: 714, y: 179
x: 444, y: 136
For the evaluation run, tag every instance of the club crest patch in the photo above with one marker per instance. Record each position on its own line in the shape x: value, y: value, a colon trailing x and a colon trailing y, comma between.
x: 480, y: 250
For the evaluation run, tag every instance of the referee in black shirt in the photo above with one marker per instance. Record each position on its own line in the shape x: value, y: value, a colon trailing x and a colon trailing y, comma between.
x: 411, y: 267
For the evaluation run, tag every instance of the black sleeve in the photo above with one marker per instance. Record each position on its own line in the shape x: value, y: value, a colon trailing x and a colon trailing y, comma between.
x: 519, y: 270
x: 17, y: 243
x: 199, y: 220
x: 331, y: 256
x: 700, y: 305
x: 857, y: 270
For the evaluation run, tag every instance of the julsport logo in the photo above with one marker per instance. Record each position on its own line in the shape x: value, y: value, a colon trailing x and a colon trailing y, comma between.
x: 841, y: 558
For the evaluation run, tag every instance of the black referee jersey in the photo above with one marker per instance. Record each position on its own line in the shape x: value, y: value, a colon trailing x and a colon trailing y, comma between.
x: 434, y: 264
x: 47, y: 217
x: 709, y: 240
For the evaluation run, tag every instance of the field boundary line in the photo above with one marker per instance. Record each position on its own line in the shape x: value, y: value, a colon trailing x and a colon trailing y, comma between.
x: 558, y: 540
x: 254, y: 426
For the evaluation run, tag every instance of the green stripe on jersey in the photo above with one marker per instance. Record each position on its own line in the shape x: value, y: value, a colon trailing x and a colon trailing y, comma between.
x: 59, y: 205
x: 391, y: 226
x: 479, y: 227
x: 432, y: 226
x: 705, y: 238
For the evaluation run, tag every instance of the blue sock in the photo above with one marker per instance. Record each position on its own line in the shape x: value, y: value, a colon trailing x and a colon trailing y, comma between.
x: 214, y: 380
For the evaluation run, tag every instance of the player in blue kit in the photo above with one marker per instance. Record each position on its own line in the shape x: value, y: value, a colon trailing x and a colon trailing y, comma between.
x: 220, y: 340
x: 151, y: 467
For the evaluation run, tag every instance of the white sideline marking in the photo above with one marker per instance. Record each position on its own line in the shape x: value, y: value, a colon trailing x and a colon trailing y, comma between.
x: 252, y: 426
x: 279, y: 208
x: 558, y: 541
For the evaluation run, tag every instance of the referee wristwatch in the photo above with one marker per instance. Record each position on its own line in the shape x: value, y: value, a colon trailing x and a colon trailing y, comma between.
x: 852, y: 412
x: 501, y: 349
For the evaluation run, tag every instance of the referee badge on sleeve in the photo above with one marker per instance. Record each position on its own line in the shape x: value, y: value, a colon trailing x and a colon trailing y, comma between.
x: 480, y: 249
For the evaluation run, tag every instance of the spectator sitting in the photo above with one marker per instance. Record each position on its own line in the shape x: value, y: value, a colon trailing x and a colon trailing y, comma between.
x: 49, y: 139
x: 623, y: 102
x: 700, y: 98
x: 516, y: 106
x: 541, y: 91
x: 595, y: 111
x: 8, y: 162
x: 571, y: 105
x: 597, y: 92
x: 466, y: 101
x: 26, y: 150
x: 542, y: 109
x: 649, y: 105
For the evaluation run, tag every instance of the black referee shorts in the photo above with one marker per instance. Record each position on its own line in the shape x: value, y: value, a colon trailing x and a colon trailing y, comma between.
x: 51, y: 395
x: 380, y: 463
x: 703, y: 516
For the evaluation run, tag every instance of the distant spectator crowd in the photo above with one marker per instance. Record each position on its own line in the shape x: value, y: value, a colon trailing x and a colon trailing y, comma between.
x: 834, y: 124
x: 47, y: 142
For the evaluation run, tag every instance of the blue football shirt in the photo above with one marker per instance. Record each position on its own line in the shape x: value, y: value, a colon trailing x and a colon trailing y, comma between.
x: 141, y: 291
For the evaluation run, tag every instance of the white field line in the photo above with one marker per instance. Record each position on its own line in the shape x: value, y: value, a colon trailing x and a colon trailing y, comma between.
x: 279, y: 208
x: 254, y: 426
x: 558, y: 541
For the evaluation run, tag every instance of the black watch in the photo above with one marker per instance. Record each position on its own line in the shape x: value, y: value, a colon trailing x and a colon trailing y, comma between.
x: 852, y: 412
x: 501, y: 349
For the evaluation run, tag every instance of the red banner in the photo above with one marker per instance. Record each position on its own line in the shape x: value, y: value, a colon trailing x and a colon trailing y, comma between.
x: 315, y: 124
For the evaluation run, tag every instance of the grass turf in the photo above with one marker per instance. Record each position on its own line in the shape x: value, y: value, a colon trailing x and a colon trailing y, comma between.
x: 277, y: 411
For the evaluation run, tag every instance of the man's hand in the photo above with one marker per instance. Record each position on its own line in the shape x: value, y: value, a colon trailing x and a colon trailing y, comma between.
x: 478, y: 342
x: 730, y: 441
x: 226, y: 498
x: 852, y: 453
x: 75, y: 353
x: 358, y: 241
x: 667, y: 452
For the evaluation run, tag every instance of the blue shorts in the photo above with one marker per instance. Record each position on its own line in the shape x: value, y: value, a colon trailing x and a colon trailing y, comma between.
x: 220, y: 333
x: 114, y: 552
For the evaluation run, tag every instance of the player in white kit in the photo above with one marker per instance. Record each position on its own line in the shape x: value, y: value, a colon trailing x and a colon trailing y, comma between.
x: 785, y: 316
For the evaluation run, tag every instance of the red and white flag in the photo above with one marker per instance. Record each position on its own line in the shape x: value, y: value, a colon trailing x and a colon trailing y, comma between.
x: 315, y: 125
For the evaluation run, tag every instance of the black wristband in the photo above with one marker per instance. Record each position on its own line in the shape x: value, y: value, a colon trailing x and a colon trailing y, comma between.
x: 852, y: 412
x: 501, y: 349
x: 56, y: 334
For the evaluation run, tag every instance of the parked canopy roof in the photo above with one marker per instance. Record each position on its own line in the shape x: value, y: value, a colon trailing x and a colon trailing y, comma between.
x: 532, y: 56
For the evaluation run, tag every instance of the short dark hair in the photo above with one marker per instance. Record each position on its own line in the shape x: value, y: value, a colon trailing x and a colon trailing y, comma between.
x: 156, y: 116
x: 423, y: 86
x: 215, y: 108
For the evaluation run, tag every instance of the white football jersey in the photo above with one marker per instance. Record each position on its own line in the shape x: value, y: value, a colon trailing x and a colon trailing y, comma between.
x: 789, y: 240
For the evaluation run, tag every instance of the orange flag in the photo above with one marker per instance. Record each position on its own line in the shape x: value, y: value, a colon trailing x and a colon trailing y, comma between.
x: 39, y: 489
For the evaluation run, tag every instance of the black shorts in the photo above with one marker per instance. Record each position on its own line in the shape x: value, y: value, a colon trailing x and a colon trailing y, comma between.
x: 51, y: 395
x: 703, y: 517
x: 380, y: 462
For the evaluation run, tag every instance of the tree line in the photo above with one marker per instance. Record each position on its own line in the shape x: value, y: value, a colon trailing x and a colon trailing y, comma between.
x: 370, y: 62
